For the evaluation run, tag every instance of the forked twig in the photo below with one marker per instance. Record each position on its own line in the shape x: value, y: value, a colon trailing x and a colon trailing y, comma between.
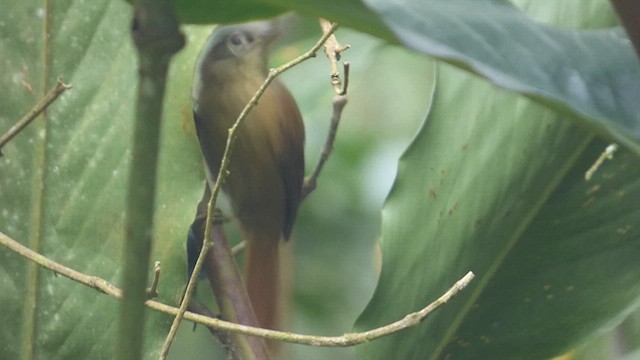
x: 333, y: 50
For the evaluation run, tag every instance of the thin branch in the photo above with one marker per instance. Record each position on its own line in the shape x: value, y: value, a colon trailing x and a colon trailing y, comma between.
x: 94, y: 282
x: 41, y: 106
x: 607, y: 154
x: 239, y: 247
x: 311, y: 181
x: 222, y: 173
x: 152, y: 292
x: 345, y: 86
x: 349, y: 339
x: 333, y: 50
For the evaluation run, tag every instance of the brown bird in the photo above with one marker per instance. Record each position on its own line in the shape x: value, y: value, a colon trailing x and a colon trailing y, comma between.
x: 267, y: 163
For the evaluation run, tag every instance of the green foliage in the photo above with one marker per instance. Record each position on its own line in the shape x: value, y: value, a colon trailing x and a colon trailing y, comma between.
x: 492, y: 183
x: 485, y: 191
x: 568, y: 70
x: 565, y: 69
x: 495, y: 184
x: 63, y: 181
x: 353, y: 13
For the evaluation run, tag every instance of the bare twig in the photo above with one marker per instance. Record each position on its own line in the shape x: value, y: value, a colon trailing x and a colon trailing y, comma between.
x: 333, y: 50
x: 607, y: 154
x: 310, y: 182
x: 41, y: 106
x: 345, y: 340
x: 239, y: 247
x: 222, y: 173
x: 152, y: 292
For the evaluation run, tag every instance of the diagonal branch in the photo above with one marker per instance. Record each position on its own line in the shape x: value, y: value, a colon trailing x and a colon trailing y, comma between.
x: 333, y: 50
x: 311, y: 181
x: 345, y: 340
x: 41, y: 106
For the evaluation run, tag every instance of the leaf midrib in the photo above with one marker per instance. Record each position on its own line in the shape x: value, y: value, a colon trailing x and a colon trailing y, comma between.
x: 37, y: 201
x: 500, y: 258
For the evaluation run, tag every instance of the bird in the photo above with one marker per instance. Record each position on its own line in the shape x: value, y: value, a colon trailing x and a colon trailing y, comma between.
x: 266, y: 169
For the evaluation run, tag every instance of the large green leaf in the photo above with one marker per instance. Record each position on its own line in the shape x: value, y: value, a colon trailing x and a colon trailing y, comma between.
x: 495, y: 184
x: 465, y: 208
x: 592, y: 76
x: 353, y: 13
x: 466, y: 189
x: 19, y: 173
x: 63, y: 181
x: 621, y: 340
x: 207, y: 12
x: 581, y: 245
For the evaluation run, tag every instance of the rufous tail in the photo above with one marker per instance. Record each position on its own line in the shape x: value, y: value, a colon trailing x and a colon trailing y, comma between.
x: 262, y: 271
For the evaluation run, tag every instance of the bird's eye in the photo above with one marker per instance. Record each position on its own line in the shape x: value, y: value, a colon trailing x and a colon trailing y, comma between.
x: 236, y: 39
x: 240, y: 43
x: 240, y: 38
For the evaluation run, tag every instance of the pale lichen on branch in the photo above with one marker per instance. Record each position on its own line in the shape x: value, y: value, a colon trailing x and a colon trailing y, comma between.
x: 607, y: 154
x: 333, y: 50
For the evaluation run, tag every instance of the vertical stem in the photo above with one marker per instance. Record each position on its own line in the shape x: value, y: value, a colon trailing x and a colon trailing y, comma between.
x: 139, y: 226
x: 157, y: 37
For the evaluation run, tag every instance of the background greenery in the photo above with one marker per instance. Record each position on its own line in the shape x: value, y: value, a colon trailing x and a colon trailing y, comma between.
x: 492, y: 181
